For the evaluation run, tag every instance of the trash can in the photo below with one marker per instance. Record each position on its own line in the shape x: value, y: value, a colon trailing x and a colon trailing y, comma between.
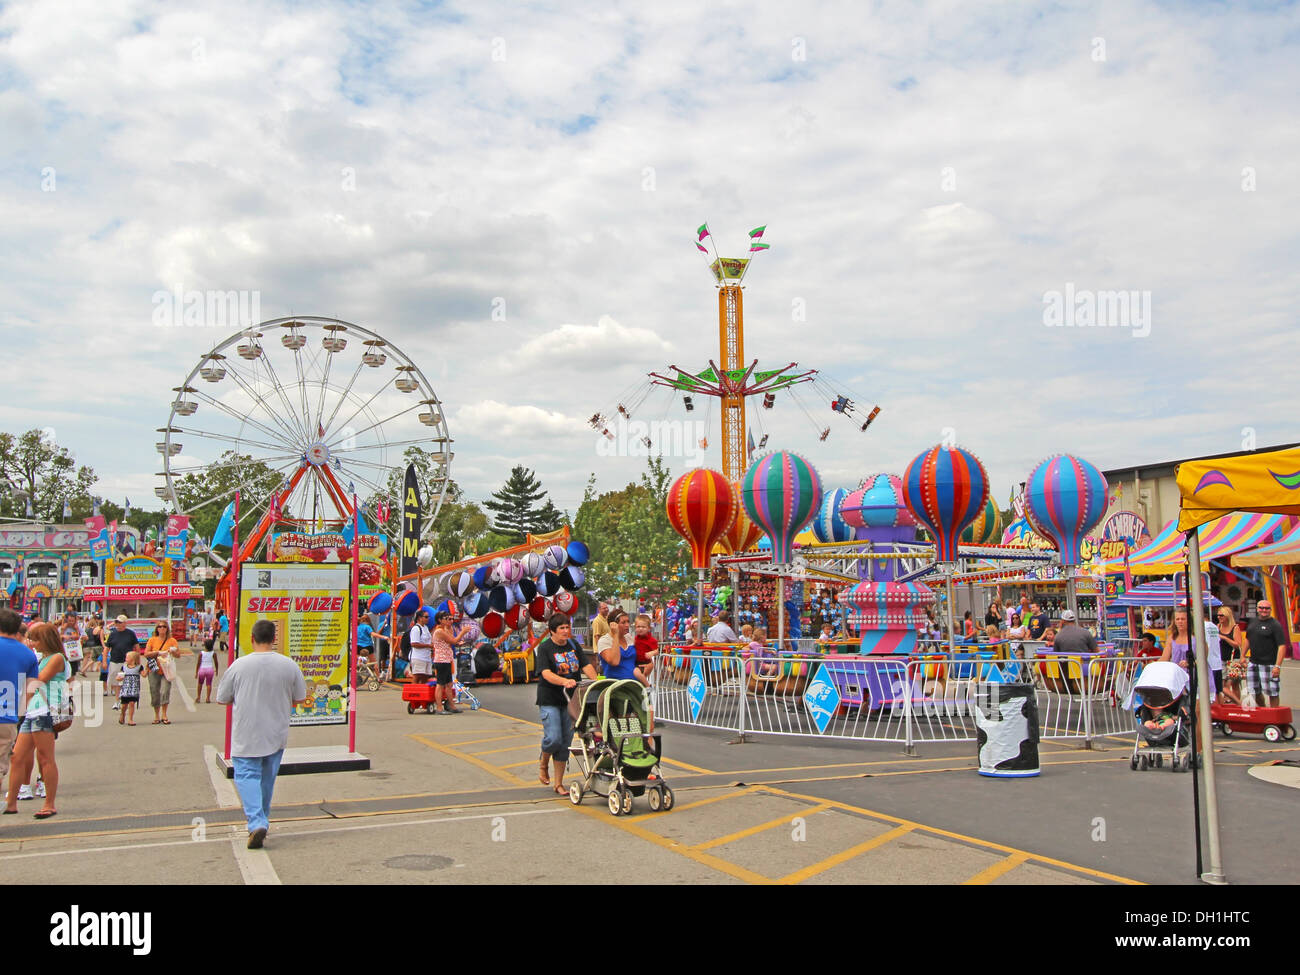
x: 1006, y: 718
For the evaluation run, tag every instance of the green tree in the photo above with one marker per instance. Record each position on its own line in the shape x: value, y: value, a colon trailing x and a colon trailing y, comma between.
x: 633, y: 546
x: 39, y: 470
x: 203, y: 495
x: 515, y: 506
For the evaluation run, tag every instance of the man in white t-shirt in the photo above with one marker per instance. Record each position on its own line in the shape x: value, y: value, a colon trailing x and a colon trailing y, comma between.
x: 1214, y: 655
x: 721, y: 631
x: 421, y: 648
x: 263, y: 685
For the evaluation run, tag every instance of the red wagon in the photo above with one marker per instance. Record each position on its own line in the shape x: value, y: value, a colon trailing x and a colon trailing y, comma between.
x: 1273, y: 723
x: 419, y: 695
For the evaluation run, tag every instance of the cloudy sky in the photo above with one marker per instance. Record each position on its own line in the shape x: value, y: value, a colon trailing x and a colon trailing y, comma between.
x: 508, y: 193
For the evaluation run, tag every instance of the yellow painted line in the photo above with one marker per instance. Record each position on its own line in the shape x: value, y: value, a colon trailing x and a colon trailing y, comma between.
x: 799, y: 876
x: 531, y: 743
x: 682, y: 807
x: 484, y: 741
x: 760, y: 828
x: 974, y: 841
x: 990, y: 874
x: 689, y: 768
x: 704, y: 859
x: 666, y: 761
x: 465, y: 756
x: 531, y: 761
x: 510, y: 717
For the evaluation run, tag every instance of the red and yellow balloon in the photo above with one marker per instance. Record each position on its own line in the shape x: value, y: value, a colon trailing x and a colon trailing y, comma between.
x: 702, y: 506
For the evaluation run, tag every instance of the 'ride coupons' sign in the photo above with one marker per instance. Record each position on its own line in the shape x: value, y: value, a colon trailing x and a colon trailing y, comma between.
x: 311, y: 608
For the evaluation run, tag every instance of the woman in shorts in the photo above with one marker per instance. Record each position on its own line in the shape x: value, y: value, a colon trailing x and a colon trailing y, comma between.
x: 444, y: 655
x: 35, y: 742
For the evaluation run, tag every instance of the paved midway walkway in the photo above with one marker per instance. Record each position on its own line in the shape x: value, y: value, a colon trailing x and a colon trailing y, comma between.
x: 455, y: 800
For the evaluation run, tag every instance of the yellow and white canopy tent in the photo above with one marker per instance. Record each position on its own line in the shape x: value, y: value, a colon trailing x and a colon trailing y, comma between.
x: 1259, y: 483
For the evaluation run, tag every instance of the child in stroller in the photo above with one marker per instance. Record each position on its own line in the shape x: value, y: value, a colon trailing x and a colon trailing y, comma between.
x: 616, y: 757
x: 1164, y: 718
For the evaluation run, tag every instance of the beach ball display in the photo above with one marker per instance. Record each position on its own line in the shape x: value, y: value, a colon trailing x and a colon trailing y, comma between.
x: 549, y: 583
x: 510, y: 571
x: 493, y: 625
x: 533, y: 565
x: 539, y: 609
x: 501, y: 598
x: 565, y: 602
x: 945, y: 488
x: 381, y: 602
x: 701, y: 507
x: 431, y: 590
x: 460, y: 585
x: 481, y: 577
x: 516, y: 617
x: 572, y: 578
x: 1065, y: 497
x: 829, y: 525
x: 986, y: 529
x: 578, y: 553
x: 476, y: 604
x: 526, y: 590
x: 408, y: 601
x: 782, y: 492
x: 446, y: 606
x: 878, y: 503
x: 555, y: 557
x: 743, y: 533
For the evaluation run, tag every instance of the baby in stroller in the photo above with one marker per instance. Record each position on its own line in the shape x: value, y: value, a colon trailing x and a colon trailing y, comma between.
x: 1163, y: 717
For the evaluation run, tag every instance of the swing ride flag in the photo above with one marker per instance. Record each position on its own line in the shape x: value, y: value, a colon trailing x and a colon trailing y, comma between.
x: 178, y: 532
x: 411, y: 513
x: 757, y: 231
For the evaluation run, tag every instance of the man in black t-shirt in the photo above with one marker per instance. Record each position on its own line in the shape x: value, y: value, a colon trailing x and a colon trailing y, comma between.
x: 560, y: 665
x: 120, y: 642
x: 1267, y: 638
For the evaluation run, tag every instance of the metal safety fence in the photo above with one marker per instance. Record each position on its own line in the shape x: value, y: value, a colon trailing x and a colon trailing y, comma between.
x: 927, y: 697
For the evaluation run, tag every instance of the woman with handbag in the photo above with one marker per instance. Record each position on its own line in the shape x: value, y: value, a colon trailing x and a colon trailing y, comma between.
x: 49, y: 711
x: 160, y: 652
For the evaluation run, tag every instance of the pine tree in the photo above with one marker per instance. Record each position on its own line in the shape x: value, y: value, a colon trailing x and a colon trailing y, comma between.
x: 514, y: 504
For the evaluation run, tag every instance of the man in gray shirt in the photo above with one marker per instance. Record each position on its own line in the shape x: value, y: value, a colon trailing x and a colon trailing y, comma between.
x: 263, y: 686
x: 1073, y: 638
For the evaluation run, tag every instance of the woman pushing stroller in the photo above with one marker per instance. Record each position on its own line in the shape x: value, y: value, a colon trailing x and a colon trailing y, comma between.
x: 559, y: 667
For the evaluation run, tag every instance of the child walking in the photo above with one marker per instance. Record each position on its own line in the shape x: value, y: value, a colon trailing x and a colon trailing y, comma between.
x: 205, y: 670
x: 129, y: 683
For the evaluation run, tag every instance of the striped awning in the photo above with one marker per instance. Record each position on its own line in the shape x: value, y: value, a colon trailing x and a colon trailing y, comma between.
x: 1219, y: 539
x: 1158, y: 595
x: 1283, y: 552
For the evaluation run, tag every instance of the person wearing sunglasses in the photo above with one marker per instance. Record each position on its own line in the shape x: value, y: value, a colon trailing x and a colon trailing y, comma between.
x: 1268, y: 642
x: 1234, y: 666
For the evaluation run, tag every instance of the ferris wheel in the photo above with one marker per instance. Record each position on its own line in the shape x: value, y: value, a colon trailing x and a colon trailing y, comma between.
x: 325, y: 407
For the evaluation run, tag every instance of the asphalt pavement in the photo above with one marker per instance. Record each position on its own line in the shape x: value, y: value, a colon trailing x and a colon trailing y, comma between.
x: 455, y: 799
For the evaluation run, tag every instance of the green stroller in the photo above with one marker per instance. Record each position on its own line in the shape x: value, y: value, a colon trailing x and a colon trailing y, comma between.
x: 618, y: 759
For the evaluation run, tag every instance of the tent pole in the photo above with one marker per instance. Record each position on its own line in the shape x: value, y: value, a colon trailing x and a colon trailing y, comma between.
x: 1206, y: 730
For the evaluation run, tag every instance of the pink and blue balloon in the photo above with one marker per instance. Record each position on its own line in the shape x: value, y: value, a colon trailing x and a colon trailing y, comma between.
x: 1065, y: 497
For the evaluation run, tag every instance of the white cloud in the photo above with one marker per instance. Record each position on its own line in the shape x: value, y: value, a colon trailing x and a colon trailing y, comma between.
x: 566, y: 178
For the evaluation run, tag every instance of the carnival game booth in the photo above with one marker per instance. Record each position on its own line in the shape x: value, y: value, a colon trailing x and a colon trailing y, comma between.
x: 1284, y: 557
x: 508, y: 594
x: 145, y: 590
x: 1211, y: 490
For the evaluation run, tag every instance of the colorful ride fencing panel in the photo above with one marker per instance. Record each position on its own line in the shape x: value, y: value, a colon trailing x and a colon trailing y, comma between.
x: 310, y: 607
